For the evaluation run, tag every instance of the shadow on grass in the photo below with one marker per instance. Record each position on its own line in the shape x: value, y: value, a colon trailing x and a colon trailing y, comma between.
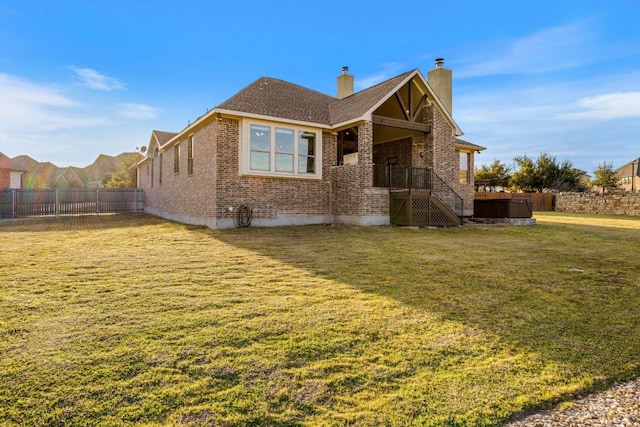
x: 470, y: 325
x: 568, y: 294
x: 77, y: 222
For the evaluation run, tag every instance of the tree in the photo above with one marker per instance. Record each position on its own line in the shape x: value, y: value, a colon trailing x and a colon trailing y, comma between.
x: 605, y: 177
x: 495, y: 175
x: 545, y: 173
x: 124, y: 176
x: 527, y: 177
x: 33, y: 180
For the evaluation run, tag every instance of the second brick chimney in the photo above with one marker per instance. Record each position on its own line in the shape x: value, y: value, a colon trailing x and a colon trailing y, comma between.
x: 345, y: 83
x: 440, y: 79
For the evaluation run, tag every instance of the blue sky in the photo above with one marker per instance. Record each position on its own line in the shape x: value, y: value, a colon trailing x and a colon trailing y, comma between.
x: 80, y: 78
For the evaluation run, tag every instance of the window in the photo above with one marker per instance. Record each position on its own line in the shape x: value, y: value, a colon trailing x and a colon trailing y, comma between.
x: 465, y: 163
x: 281, y: 151
x: 306, y: 152
x: 176, y: 159
x: 160, y: 170
x: 284, y: 150
x: 190, y: 156
x: 260, y: 148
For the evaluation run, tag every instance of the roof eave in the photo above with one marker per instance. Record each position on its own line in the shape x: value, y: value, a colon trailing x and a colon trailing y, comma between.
x: 367, y: 116
x: 272, y: 118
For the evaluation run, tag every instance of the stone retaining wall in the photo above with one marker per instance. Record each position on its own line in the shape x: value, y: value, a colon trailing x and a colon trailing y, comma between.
x: 611, y: 204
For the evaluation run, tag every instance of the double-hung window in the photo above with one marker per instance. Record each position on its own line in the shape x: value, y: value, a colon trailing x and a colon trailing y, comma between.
x: 465, y: 167
x: 282, y: 151
x: 260, y: 138
x: 307, y: 152
x: 176, y: 159
x: 190, y: 155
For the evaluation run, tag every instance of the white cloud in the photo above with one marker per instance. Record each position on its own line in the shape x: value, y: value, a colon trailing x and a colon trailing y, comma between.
x: 138, y: 111
x: 17, y: 91
x: 608, y: 106
x: 547, y: 50
x: 562, y: 118
x: 48, y: 123
x: 93, y: 79
x: 32, y: 107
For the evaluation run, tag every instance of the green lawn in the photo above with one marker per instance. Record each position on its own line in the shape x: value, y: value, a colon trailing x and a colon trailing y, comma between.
x: 133, y: 320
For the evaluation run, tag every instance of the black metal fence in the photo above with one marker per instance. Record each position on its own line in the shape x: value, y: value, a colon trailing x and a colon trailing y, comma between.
x: 16, y: 203
x: 415, y: 178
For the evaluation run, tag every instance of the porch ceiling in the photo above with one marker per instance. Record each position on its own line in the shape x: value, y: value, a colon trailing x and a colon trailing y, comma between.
x: 400, y: 116
x: 382, y: 134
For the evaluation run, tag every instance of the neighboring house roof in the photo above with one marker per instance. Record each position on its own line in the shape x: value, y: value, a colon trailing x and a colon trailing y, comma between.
x: 46, y: 174
x: 71, y: 176
x: 26, y: 162
x: 7, y: 163
x: 466, y: 144
x: 630, y: 169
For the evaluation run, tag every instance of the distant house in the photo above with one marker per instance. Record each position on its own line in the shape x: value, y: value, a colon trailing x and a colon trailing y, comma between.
x: 292, y: 155
x: 629, y: 176
x: 44, y: 175
x: 10, y: 173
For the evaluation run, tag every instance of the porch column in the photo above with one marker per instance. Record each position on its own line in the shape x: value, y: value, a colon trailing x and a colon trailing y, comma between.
x: 365, y: 153
x: 428, y: 149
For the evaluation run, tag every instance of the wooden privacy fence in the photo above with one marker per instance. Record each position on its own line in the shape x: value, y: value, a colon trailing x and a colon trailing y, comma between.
x: 541, y: 201
x: 16, y: 203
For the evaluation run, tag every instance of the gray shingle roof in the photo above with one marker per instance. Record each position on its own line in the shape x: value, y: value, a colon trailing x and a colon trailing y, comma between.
x: 8, y: 164
x: 467, y: 144
x: 163, y: 137
x: 356, y: 105
x: 278, y: 98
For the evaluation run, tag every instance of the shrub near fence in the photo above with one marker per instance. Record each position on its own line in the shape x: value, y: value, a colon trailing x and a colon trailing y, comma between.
x: 30, y: 202
x: 541, y: 201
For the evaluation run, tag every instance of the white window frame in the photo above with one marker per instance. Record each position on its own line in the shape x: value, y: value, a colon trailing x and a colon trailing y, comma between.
x: 190, y: 155
x: 467, y: 178
x: 176, y: 159
x: 245, y: 151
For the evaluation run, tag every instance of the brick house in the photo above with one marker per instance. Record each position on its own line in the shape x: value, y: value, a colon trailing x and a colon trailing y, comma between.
x: 629, y: 176
x: 292, y: 155
x: 10, y: 173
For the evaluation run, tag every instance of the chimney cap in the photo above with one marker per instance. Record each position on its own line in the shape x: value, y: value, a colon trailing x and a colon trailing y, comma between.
x: 345, y: 69
x: 439, y: 62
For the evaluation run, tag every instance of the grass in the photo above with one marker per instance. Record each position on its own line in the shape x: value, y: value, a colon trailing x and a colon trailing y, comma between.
x: 133, y: 320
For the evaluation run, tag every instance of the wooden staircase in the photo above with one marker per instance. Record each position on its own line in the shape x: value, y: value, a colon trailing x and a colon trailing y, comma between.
x: 420, y: 208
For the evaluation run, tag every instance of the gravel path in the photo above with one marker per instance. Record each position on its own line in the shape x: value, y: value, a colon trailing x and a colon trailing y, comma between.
x: 618, y: 406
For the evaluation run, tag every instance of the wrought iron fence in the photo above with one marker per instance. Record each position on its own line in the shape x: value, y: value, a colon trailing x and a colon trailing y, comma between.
x: 17, y: 203
x: 415, y: 178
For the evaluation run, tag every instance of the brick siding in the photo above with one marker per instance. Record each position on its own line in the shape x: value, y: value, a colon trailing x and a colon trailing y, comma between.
x: 5, y: 179
x: 212, y: 194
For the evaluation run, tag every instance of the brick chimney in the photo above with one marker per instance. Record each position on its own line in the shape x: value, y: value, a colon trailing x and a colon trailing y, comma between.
x: 440, y: 79
x: 345, y: 83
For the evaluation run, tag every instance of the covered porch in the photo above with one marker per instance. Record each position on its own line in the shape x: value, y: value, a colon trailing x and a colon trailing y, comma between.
x: 396, y: 152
